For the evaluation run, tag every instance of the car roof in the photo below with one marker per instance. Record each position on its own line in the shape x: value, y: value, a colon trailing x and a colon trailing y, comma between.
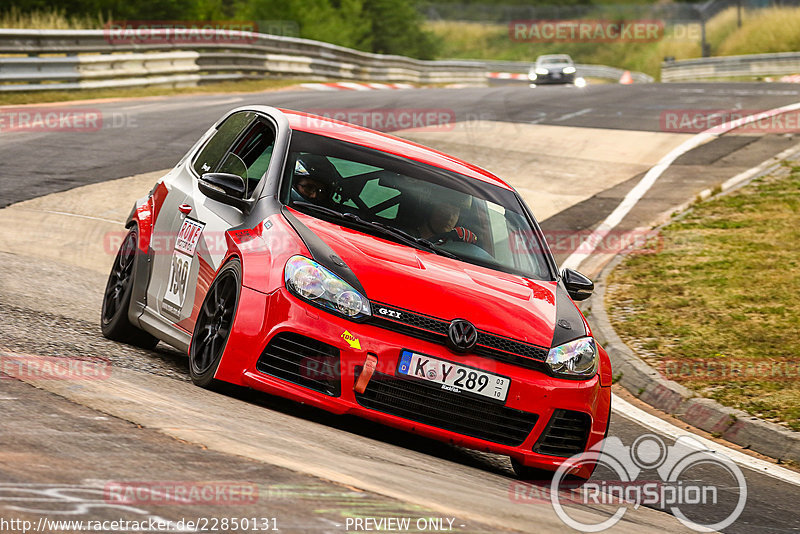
x: 365, y: 137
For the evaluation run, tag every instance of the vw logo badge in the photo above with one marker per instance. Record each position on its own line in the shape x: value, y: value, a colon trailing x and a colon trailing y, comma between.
x: 461, y: 335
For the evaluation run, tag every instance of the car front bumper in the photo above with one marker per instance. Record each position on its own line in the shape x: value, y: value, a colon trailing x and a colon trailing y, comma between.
x: 284, y: 346
x: 553, y: 78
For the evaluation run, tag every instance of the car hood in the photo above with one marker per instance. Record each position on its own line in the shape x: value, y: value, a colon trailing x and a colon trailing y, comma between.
x: 423, y: 282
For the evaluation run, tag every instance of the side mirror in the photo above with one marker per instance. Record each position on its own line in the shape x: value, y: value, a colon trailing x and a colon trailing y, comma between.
x: 224, y: 187
x: 578, y: 286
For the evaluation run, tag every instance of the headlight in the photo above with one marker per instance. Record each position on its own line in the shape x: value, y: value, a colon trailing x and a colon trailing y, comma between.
x: 314, y: 283
x: 531, y: 75
x: 542, y: 71
x: 576, y: 359
x: 568, y: 70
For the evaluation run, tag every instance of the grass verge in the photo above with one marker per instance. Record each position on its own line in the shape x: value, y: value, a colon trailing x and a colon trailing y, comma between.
x: 713, y: 304
x: 244, y: 86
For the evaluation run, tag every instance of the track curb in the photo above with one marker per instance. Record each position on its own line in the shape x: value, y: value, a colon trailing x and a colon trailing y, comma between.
x: 650, y: 386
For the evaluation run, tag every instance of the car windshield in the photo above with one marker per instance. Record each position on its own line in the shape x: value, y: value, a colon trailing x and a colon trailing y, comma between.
x: 413, y: 203
x: 554, y: 61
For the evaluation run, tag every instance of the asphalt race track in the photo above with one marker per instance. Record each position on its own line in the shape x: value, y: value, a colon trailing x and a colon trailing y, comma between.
x: 314, y: 470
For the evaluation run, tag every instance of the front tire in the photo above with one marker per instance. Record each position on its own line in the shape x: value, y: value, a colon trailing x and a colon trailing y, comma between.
x: 114, y: 322
x: 214, y: 324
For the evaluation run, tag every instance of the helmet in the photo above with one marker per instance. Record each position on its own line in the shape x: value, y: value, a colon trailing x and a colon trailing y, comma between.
x: 314, y: 177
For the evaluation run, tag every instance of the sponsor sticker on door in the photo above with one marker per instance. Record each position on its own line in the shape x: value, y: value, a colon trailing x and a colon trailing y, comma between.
x: 181, y: 267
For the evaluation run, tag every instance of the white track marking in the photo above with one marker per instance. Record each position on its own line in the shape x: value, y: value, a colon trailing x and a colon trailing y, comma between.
x: 640, y: 417
x: 574, y: 114
x: 644, y: 185
x: 74, y: 215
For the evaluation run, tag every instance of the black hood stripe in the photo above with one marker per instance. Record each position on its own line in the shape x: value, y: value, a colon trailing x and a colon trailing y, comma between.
x: 322, y: 253
x: 569, y: 322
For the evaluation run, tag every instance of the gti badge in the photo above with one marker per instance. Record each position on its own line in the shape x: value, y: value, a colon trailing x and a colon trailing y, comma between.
x: 390, y: 313
x: 461, y: 335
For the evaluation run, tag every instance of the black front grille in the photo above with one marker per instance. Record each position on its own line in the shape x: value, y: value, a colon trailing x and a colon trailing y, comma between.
x: 435, y: 330
x: 566, y: 434
x: 304, y: 361
x: 510, y: 345
x: 433, y: 406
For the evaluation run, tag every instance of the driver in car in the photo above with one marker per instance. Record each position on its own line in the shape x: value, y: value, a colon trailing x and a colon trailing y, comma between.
x: 440, y: 223
x: 313, y: 178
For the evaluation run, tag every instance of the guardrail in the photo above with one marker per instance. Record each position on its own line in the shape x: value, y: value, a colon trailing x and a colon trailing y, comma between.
x: 102, y: 58
x: 755, y: 65
x: 46, y: 60
x: 582, y: 70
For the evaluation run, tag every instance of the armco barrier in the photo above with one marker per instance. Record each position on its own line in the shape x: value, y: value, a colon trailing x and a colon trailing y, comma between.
x: 721, y: 67
x: 35, y: 60
x: 96, y: 58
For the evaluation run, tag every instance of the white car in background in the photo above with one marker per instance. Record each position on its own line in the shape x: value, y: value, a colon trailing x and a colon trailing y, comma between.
x: 553, y: 69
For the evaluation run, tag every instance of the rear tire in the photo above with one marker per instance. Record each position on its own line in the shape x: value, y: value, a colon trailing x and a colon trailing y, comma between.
x: 214, y: 325
x: 114, y: 322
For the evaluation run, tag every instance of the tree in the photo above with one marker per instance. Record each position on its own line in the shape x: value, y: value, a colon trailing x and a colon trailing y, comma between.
x: 396, y: 28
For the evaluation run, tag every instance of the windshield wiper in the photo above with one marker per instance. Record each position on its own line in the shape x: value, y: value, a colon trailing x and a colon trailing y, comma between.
x: 384, y: 229
x: 317, y: 208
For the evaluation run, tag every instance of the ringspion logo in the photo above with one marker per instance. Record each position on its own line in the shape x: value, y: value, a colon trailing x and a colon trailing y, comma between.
x: 679, y: 488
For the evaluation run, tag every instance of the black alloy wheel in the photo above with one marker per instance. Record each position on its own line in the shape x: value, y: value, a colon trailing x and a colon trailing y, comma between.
x: 214, y: 323
x: 114, y: 322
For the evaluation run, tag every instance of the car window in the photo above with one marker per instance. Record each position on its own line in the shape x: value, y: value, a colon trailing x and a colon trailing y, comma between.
x: 349, y: 168
x: 214, y: 151
x: 374, y: 194
x: 247, y: 154
x: 478, y: 222
x: 254, y: 152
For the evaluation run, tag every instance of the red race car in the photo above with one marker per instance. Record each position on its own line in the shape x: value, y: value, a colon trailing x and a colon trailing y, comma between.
x: 364, y: 274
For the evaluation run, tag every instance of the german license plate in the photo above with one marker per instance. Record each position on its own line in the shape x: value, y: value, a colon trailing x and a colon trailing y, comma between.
x: 452, y: 376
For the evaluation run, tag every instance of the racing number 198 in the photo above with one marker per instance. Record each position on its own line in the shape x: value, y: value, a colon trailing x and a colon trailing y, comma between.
x: 180, y: 274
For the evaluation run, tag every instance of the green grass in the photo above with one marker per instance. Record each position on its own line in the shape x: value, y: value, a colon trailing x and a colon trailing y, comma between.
x: 768, y: 30
x: 54, y: 19
x: 246, y: 86
x: 718, y: 288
